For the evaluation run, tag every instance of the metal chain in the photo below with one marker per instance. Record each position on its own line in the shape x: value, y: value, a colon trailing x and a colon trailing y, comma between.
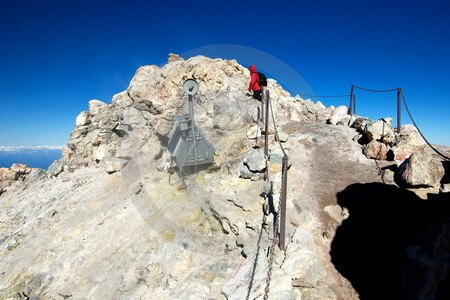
x: 258, y: 246
x: 275, y: 126
x: 276, y: 224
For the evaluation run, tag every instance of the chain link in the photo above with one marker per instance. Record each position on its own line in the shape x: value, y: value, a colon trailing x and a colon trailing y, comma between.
x: 258, y: 246
x: 275, y: 241
x: 276, y: 221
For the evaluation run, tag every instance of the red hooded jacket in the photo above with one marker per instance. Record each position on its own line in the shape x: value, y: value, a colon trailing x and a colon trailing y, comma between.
x: 254, y: 79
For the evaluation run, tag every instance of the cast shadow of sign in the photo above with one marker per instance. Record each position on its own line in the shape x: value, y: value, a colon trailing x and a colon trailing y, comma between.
x: 372, y: 248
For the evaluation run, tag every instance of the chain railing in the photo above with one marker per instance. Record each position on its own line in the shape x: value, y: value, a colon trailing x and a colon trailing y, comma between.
x: 279, y: 216
x: 279, y: 222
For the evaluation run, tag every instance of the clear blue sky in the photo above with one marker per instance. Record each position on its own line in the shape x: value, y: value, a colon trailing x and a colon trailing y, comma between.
x: 55, y: 56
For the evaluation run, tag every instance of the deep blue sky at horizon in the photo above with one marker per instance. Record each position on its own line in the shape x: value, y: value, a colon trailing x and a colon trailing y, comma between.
x: 55, y: 56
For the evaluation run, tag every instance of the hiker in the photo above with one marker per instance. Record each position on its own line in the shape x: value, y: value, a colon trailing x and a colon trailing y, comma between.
x: 254, y: 83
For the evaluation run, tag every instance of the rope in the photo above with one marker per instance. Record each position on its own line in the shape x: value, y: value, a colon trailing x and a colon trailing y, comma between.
x: 315, y: 96
x: 275, y: 126
x: 376, y: 91
x: 434, y: 149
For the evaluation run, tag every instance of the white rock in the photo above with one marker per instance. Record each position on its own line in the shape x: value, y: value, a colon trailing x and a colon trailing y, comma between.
x: 99, y: 152
x: 336, y: 212
x: 82, y: 119
x: 95, y: 106
x: 113, y: 164
x: 283, y: 137
x: 121, y: 99
x: 337, y: 114
x: 379, y: 130
x: 254, y: 132
x: 445, y: 188
x: 345, y: 120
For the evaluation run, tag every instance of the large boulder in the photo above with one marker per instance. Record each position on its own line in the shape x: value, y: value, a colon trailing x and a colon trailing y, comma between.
x: 380, y: 131
x: 7, y: 175
x: 376, y: 150
x: 422, y: 170
x: 359, y: 123
x: 408, y: 142
x: 113, y: 164
x: 337, y: 114
x: 255, y: 160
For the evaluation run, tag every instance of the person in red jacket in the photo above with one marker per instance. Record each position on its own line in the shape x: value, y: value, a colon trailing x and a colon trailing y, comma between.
x: 254, y: 83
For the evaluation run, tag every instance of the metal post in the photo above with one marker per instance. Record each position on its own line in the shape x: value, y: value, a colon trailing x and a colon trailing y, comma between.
x: 354, y: 104
x: 191, y: 108
x: 191, y: 118
x: 261, y: 113
x: 266, y: 97
x: 351, y: 109
x: 282, y: 211
x: 399, y: 108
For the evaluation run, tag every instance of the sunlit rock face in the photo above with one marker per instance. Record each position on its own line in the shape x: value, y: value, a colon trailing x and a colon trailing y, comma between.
x: 111, y: 220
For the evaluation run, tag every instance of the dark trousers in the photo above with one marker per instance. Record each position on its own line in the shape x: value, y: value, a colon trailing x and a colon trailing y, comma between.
x: 257, y: 95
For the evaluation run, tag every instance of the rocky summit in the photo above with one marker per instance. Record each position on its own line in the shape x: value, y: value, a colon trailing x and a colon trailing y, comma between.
x: 367, y: 204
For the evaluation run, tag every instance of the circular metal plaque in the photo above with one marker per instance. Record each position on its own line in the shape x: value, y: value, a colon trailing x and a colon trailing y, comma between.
x: 190, y: 87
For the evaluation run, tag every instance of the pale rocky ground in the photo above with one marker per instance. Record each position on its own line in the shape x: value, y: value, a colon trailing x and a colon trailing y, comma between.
x: 108, y: 221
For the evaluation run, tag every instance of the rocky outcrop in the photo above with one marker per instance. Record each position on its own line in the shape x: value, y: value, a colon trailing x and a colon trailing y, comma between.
x: 111, y: 219
x: 141, y: 117
x: 380, y: 141
x: 115, y: 177
x: 17, y: 174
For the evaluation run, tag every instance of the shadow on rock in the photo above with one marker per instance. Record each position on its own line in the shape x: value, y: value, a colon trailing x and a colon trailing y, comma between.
x: 387, y: 238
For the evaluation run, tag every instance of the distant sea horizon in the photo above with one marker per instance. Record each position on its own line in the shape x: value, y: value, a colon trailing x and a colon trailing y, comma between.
x: 33, y: 156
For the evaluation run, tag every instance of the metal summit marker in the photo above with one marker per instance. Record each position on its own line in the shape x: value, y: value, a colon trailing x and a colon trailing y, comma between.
x: 188, y: 147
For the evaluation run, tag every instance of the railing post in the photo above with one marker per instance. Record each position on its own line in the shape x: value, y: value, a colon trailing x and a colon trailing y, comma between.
x: 351, y: 109
x: 399, y: 109
x: 266, y: 98
x: 282, y: 211
x: 262, y: 114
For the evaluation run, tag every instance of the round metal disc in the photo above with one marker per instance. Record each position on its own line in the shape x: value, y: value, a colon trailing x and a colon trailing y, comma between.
x: 190, y: 86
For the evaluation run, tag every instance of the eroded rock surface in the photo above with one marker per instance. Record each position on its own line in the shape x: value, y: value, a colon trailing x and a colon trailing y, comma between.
x: 109, y: 220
